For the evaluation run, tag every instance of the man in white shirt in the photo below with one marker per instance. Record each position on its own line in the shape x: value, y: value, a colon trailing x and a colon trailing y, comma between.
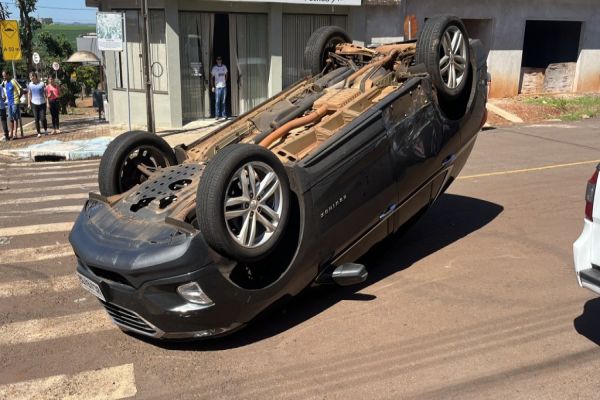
x: 219, y: 87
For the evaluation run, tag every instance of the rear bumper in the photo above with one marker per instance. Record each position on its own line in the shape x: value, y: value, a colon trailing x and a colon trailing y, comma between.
x: 588, y: 275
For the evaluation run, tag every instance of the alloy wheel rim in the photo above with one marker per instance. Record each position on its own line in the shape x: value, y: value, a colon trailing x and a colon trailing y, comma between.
x: 453, y: 60
x: 253, y: 204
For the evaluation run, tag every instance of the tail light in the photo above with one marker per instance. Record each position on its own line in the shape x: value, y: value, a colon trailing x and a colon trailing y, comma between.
x: 590, y: 191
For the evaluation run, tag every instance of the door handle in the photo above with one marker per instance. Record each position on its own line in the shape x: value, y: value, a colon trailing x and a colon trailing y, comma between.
x: 448, y: 160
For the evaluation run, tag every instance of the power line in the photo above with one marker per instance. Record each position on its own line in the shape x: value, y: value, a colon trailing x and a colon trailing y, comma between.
x: 52, y: 8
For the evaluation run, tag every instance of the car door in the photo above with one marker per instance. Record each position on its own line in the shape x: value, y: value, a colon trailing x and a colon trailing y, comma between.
x: 423, y: 145
x: 353, y: 183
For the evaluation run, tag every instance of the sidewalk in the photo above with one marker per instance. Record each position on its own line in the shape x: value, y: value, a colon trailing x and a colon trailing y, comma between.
x: 84, y: 137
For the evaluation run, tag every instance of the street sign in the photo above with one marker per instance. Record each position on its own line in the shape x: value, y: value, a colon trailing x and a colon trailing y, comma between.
x: 11, y: 44
x: 36, y: 58
x: 55, y: 66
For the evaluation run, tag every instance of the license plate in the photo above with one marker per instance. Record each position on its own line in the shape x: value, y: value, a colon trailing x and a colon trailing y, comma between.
x: 91, y: 287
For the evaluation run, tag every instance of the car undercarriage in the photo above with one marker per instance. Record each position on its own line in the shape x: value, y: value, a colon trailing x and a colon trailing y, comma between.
x: 198, y: 240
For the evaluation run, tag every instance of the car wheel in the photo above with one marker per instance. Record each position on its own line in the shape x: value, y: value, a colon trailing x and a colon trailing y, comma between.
x: 321, y: 42
x: 130, y: 158
x: 243, y: 201
x: 443, y: 47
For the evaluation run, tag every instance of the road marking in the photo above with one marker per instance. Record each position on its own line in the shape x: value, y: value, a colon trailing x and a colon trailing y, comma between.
x: 27, y: 287
x: 518, y: 171
x: 28, y: 174
x: 35, y: 229
x: 49, y: 165
x: 21, y: 182
x: 37, y: 199
x: 49, y: 210
x: 38, y: 253
x: 37, y: 330
x: 82, y: 186
x: 105, y: 383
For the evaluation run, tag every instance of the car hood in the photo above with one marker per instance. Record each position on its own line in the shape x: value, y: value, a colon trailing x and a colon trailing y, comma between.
x: 136, y: 249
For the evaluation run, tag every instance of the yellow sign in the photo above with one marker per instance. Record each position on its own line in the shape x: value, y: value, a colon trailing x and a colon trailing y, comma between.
x: 11, y: 44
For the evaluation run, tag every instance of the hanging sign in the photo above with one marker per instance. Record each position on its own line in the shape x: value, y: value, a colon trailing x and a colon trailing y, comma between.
x: 11, y: 43
x: 109, y: 31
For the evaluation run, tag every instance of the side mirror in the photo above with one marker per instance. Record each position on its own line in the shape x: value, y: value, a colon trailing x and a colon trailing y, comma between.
x: 350, y: 274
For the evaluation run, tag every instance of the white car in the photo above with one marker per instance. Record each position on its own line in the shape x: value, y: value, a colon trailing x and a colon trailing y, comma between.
x: 586, y: 249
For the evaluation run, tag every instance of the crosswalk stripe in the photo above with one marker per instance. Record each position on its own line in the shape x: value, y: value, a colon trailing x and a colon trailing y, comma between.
x: 28, y: 287
x: 38, y: 253
x: 35, y: 229
x: 106, y: 383
x: 46, y: 180
x: 42, y: 199
x: 49, y: 165
x: 82, y: 186
x: 37, y: 330
x: 14, y: 175
x: 40, y: 211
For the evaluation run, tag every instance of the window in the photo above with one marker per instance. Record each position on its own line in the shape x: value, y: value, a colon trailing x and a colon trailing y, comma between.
x: 158, y: 52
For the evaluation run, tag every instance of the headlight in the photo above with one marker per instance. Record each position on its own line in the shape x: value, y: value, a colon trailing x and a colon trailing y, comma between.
x: 194, y: 294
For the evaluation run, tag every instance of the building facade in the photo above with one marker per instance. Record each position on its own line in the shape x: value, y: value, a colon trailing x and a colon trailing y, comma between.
x: 262, y: 44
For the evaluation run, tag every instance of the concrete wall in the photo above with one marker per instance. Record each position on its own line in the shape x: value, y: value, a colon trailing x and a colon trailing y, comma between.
x: 508, y: 19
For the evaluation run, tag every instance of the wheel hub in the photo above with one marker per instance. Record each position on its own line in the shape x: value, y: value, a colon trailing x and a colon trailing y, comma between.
x: 253, y: 204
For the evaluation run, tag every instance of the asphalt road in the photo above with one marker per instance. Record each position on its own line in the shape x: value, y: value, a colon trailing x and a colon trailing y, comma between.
x: 478, y: 300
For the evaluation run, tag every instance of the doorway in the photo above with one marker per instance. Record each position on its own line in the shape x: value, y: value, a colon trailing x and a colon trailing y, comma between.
x: 220, y: 48
x: 242, y: 41
x: 549, y: 42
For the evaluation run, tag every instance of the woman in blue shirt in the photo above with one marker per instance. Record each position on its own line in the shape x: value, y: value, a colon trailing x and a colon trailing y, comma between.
x: 37, y: 101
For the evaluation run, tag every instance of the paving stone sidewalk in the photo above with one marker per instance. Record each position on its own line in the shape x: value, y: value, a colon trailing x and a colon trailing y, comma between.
x: 87, y: 137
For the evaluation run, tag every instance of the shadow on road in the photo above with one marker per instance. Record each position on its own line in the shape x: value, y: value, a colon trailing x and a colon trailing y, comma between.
x: 588, y: 323
x: 450, y: 219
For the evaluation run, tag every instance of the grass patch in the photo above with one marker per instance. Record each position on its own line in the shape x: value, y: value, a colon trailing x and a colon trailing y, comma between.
x: 70, y: 31
x: 570, y: 108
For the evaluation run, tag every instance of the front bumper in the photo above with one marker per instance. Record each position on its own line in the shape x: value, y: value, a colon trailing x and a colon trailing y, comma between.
x: 156, y: 309
x: 588, y: 275
x: 138, y: 275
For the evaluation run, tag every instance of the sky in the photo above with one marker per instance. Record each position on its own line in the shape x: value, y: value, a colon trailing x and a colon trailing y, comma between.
x: 65, y: 11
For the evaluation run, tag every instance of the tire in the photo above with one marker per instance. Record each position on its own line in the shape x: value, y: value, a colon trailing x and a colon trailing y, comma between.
x: 118, y: 166
x: 435, y: 45
x: 222, y: 182
x: 321, y: 42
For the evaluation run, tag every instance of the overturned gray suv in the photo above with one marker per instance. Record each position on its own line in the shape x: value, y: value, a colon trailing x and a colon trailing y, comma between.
x: 196, y: 241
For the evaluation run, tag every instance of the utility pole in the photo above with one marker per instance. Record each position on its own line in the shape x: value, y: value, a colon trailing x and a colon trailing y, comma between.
x: 146, y: 65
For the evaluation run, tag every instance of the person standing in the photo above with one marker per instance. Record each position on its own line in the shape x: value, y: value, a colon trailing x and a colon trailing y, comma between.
x: 219, y: 87
x: 37, y: 101
x: 13, y: 95
x: 3, y: 115
x: 53, y: 96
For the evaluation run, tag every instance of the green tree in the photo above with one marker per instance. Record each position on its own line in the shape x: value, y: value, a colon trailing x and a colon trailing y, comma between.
x: 57, y: 48
x: 88, y: 76
x: 4, y: 14
x: 27, y: 26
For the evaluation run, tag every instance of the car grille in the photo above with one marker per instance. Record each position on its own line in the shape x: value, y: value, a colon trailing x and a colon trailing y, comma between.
x: 130, y: 320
